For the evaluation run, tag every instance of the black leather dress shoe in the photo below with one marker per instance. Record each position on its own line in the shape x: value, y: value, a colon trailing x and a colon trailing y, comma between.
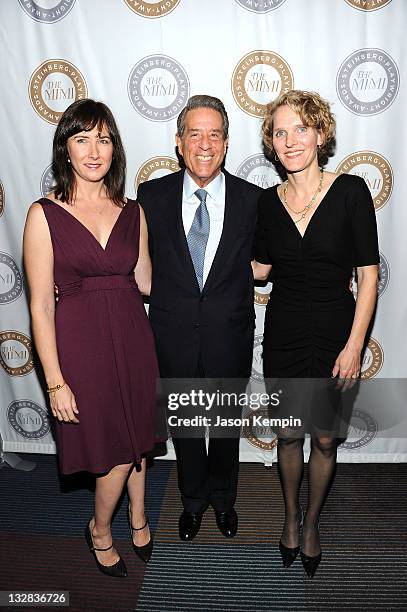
x: 189, y: 525
x: 227, y: 523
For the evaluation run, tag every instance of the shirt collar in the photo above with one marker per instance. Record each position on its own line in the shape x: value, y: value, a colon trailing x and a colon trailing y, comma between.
x: 214, y: 188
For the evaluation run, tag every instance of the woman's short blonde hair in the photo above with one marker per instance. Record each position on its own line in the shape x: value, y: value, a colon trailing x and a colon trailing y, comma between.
x: 314, y: 112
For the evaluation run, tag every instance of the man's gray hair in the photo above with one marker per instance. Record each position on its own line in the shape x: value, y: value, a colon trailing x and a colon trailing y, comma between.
x: 203, y: 101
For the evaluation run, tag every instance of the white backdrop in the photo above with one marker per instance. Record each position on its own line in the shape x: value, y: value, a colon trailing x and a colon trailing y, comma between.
x: 144, y: 58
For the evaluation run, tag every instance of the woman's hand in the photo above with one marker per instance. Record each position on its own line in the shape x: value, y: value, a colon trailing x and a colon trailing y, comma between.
x: 63, y: 405
x: 347, y: 365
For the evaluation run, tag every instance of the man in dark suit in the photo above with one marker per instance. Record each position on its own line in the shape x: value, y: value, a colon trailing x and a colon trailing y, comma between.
x: 201, y: 224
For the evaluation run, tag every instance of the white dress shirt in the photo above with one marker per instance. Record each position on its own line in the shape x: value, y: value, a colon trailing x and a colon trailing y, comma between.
x: 215, y: 203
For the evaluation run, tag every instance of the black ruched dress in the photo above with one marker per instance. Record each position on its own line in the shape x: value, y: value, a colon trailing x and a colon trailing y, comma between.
x: 311, y: 310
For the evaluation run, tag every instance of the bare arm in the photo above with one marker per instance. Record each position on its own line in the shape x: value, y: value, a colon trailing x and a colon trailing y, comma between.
x: 347, y: 364
x: 142, y: 271
x: 39, y: 262
x: 261, y: 271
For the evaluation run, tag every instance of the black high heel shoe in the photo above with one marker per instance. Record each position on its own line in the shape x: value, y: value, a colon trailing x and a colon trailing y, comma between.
x: 310, y: 564
x: 289, y: 555
x: 143, y: 552
x: 118, y: 570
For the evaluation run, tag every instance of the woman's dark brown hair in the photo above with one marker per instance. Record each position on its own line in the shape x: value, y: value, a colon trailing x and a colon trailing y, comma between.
x: 83, y: 116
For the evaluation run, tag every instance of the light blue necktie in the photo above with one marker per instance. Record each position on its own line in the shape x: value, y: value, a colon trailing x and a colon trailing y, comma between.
x: 198, y: 235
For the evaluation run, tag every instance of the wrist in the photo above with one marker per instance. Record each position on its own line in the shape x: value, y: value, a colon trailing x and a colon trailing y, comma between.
x: 354, y: 344
x: 55, y: 388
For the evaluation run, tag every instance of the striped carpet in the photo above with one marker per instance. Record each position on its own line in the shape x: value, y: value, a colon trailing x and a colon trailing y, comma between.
x: 363, y: 534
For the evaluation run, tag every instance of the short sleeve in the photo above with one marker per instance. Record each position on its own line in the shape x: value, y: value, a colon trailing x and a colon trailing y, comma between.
x: 262, y: 234
x: 364, y: 227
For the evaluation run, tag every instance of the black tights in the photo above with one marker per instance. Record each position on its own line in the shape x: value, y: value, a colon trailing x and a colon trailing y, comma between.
x: 321, y: 470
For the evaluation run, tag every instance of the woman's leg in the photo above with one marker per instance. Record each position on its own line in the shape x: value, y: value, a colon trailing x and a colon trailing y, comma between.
x: 321, y: 470
x: 108, y: 490
x: 136, y: 489
x: 291, y: 466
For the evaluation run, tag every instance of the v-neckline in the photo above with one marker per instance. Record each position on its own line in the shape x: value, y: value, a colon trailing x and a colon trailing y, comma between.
x: 86, y: 228
x: 302, y: 236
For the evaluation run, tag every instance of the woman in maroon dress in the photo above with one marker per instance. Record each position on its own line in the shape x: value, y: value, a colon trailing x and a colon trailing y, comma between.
x: 95, y: 346
x: 313, y: 230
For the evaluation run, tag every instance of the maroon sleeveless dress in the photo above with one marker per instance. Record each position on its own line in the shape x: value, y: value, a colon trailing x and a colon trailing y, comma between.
x: 105, y: 344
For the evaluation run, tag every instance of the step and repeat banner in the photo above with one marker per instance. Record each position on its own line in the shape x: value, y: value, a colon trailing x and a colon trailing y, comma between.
x: 144, y: 58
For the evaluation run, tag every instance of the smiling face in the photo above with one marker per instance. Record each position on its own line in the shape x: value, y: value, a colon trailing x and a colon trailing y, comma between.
x: 295, y: 144
x: 202, y: 144
x: 90, y: 154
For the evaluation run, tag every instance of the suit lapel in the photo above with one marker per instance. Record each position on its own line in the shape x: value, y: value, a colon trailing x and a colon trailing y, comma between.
x: 232, y: 201
x: 173, y: 215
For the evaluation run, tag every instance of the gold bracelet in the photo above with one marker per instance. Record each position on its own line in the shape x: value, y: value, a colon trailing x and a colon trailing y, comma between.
x: 56, y: 388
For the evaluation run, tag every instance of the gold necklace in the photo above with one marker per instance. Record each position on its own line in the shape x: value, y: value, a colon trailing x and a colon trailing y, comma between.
x: 306, y: 208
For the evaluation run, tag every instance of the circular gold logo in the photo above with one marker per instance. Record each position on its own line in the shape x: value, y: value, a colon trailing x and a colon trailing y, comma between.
x: 260, y: 436
x: 368, y: 5
x: 2, y: 199
x: 258, y: 78
x: 151, y: 8
x: 262, y: 295
x: 53, y: 87
x: 16, y: 356
x: 372, y: 360
x: 375, y: 170
x: 155, y: 167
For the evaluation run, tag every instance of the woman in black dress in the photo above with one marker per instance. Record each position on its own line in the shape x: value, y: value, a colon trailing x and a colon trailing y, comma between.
x: 313, y: 230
